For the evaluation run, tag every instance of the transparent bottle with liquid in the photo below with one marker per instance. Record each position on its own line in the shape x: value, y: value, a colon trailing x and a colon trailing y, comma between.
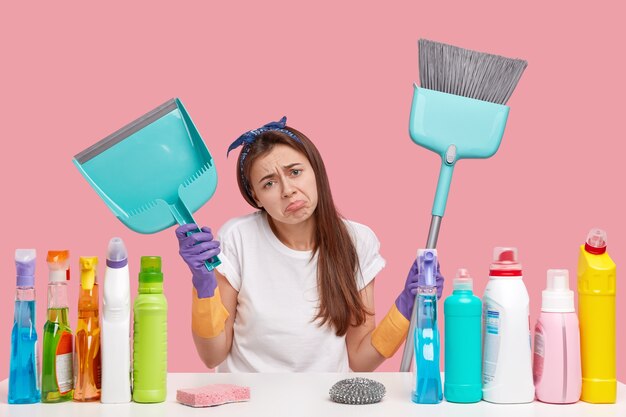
x: 57, y: 375
x: 24, y: 385
x: 426, y: 371
x: 87, y: 356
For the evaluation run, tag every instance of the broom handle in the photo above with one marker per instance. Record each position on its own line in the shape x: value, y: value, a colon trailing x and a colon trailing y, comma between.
x: 439, y: 207
x: 409, y: 345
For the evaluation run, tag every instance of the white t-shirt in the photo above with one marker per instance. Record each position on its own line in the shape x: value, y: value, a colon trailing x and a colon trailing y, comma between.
x: 274, y: 328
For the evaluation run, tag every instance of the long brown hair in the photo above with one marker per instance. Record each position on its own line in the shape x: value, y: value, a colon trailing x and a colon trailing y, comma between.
x: 337, y: 264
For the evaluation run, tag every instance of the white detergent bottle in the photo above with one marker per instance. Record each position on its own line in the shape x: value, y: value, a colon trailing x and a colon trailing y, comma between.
x: 116, y: 326
x: 507, y: 365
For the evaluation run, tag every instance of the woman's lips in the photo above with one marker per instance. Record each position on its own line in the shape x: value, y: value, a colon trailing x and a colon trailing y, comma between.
x: 296, y: 205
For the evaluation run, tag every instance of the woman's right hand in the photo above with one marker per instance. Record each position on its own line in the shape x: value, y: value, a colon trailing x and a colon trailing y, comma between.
x: 195, y: 249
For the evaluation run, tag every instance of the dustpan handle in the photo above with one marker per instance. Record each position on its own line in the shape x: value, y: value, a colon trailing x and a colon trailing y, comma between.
x: 211, y: 263
x: 183, y: 216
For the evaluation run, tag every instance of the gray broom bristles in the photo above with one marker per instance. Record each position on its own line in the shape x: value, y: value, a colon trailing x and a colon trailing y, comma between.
x: 467, y: 73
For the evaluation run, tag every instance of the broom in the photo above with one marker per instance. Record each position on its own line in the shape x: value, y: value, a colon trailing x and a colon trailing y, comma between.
x: 459, y: 113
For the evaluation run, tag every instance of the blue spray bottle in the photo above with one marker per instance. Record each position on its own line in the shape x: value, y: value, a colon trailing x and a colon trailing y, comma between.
x: 427, y: 380
x: 24, y: 368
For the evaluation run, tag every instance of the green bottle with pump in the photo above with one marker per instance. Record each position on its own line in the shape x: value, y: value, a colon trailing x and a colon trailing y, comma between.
x: 150, y: 335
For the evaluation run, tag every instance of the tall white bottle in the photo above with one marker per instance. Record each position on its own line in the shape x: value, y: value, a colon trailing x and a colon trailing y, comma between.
x: 507, y: 365
x: 116, y: 326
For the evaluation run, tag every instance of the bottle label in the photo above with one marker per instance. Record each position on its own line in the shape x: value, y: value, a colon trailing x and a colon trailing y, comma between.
x: 492, y: 342
x: 64, y: 364
x: 539, y: 354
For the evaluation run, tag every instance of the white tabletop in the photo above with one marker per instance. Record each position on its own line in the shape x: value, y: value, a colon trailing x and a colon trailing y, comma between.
x: 299, y: 394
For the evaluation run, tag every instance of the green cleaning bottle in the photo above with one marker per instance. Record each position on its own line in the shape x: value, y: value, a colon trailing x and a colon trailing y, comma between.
x: 463, y: 356
x: 57, y: 370
x: 150, y: 337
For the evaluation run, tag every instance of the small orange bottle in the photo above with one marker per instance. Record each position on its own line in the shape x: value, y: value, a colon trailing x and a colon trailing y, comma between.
x: 87, y: 367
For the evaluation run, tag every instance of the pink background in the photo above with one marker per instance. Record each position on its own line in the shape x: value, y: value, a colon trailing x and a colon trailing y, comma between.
x: 343, y: 74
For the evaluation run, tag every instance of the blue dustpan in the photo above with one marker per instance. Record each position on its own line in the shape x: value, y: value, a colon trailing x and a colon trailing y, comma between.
x: 154, y: 172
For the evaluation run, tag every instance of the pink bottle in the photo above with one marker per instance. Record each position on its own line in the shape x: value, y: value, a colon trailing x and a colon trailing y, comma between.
x: 556, y: 366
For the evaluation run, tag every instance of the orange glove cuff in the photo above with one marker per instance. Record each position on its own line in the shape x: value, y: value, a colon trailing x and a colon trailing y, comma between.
x: 390, y: 333
x: 208, y: 315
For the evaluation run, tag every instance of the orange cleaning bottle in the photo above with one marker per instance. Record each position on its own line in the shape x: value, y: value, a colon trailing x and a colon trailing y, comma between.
x: 88, y: 367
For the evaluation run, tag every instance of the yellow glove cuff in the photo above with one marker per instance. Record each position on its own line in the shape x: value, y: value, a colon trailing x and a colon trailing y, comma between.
x: 390, y: 333
x: 208, y: 315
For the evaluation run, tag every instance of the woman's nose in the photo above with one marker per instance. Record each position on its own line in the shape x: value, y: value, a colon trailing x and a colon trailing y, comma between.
x: 288, y: 189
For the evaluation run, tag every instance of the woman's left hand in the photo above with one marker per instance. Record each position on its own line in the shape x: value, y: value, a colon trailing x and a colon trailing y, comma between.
x: 414, y: 279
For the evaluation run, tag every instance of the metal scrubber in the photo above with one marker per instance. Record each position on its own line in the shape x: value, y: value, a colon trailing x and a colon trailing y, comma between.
x: 357, y: 391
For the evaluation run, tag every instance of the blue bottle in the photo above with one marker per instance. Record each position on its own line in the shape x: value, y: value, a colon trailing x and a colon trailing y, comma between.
x: 463, y: 352
x: 427, y: 388
x: 24, y: 385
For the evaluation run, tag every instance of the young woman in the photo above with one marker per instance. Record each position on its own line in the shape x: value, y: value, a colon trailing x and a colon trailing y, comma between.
x: 295, y: 289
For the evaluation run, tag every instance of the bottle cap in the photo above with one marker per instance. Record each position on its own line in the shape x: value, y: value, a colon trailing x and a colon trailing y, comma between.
x: 505, y: 263
x: 557, y: 297
x: 87, y: 271
x: 463, y: 281
x: 150, y: 269
x: 117, y: 256
x: 58, y: 265
x: 25, y: 260
x: 596, y: 241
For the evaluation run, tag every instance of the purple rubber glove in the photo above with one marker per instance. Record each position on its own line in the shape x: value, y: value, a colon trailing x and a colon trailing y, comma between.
x: 195, y: 250
x: 406, y: 299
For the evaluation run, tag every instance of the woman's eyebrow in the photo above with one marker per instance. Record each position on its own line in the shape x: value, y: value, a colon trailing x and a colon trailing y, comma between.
x: 285, y: 167
x: 292, y: 165
x: 267, y: 177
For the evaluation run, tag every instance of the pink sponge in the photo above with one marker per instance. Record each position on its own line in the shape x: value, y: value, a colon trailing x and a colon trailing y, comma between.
x: 214, y: 394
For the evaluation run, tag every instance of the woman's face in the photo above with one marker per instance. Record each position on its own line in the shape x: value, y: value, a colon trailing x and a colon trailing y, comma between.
x: 283, y: 182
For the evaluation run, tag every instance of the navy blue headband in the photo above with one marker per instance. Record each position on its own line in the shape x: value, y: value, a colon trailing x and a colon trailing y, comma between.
x: 250, y: 137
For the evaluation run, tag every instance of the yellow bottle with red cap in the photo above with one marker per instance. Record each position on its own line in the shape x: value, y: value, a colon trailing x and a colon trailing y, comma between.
x: 596, y: 310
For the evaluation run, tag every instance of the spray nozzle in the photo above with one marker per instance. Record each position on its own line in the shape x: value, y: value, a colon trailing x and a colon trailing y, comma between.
x: 25, y: 267
x: 427, y: 260
x: 596, y: 241
x: 59, y: 265
x: 87, y: 271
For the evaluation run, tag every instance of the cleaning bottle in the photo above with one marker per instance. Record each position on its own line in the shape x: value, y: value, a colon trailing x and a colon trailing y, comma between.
x: 596, y: 307
x: 463, y: 351
x: 556, y: 364
x: 150, y: 340
x: 87, y: 356
x: 116, y: 326
x: 24, y: 366
x: 507, y: 369
x: 57, y: 375
x: 427, y: 382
